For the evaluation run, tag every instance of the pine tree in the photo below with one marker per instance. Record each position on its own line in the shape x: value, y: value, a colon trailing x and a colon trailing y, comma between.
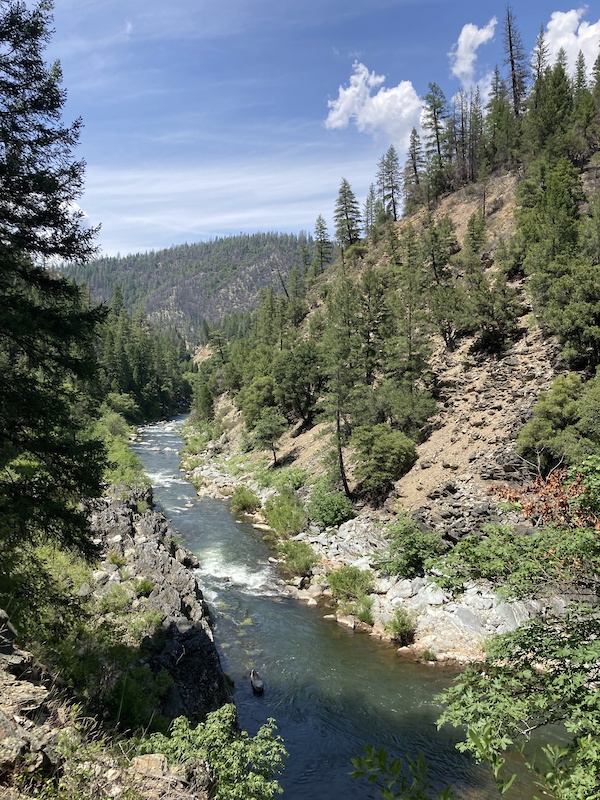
x: 369, y: 212
x: 323, y: 247
x: 347, y: 216
x: 414, y: 172
x: 516, y: 60
x: 580, y: 136
x: 389, y: 182
x: 47, y: 330
x: 435, y: 118
x: 341, y: 350
x: 499, y: 125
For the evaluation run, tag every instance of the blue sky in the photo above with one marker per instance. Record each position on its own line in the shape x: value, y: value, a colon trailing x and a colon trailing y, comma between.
x: 206, y: 118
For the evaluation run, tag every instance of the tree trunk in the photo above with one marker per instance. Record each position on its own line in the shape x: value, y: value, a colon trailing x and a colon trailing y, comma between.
x: 338, y: 432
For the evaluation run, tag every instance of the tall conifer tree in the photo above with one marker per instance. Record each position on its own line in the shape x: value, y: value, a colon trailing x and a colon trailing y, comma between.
x: 47, y: 331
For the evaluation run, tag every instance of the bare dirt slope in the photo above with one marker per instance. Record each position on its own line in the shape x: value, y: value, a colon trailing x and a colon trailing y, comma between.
x: 484, y: 404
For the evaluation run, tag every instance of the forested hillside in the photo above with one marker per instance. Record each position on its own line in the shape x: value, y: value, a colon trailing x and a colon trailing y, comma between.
x: 496, y: 254
x: 188, y: 284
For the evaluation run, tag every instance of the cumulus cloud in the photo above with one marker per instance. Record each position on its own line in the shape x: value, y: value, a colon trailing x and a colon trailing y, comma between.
x: 464, y: 53
x: 567, y: 29
x: 391, y: 113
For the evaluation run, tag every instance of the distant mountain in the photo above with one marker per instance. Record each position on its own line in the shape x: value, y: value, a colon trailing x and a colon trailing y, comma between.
x: 189, y: 283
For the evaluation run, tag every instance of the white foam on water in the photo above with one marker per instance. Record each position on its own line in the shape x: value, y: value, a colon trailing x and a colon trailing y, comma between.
x: 163, y: 479
x: 258, y: 581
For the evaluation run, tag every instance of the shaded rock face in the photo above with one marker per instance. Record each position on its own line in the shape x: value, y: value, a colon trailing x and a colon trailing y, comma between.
x: 26, y: 733
x: 186, y: 650
x: 33, y: 722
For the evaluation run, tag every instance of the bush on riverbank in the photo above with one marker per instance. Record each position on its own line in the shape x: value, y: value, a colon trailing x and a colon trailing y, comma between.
x: 542, y: 562
x: 351, y: 587
x: 328, y: 507
x: 244, y: 501
x: 299, y: 557
x: 401, y: 628
x: 285, y: 513
x: 240, y: 767
x: 409, y: 549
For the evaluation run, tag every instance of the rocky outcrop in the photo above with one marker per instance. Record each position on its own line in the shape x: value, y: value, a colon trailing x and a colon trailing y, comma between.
x: 39, y: 735
x: 27, y: 734
x: 138, y: 549
x: 484, y: 403
x: 452, y: 628
x: 37, y: 728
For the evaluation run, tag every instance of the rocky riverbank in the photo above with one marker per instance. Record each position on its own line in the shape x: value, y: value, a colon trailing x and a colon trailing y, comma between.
x: 140, y: 547
x: 136, y: 546
x: 451, y: 629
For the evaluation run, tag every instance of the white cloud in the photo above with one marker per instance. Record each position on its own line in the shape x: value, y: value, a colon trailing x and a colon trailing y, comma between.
x: 390, y: 113
x: 150, y: 208
x: 567, y: 30
x: 464, y: 53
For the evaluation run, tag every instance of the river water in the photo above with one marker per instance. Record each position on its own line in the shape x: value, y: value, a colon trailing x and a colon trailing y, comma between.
x: 331, y: 691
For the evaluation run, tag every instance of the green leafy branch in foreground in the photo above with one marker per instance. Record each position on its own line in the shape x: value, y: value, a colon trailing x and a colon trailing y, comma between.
x: 547, y: 672
x: 396, y: 780
x: 523, y: 565
x: 242, y: 767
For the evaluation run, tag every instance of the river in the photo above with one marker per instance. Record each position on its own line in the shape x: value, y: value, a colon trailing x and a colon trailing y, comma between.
x: 332, y: 691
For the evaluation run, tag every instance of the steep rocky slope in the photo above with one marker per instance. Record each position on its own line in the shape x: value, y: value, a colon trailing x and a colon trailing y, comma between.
x: 41, y: 731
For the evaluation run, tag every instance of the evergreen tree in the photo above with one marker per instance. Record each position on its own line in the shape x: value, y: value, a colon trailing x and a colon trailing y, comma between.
x: 476, y: 141
x: 341, y: 349
x: 581, y: 141
x: 323, y: 250
x: 550, y: 108
x: 369, y: 212
x: 47, y: 330
x: 298, y: 376
x: 389, y: 182
x: 373, y: 322
x: 347, y: 216
x: 499, y: 125
x: 405, y: 347
x: 413, y: 172
x: 516, y: 60
x: 268, y: 430
x: 435, y: 118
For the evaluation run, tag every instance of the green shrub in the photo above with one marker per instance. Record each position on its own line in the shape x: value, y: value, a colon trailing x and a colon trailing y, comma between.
x: 588, y: 474
x: 428, y: 655
x: 564, y: 425
x: 144, y: 623
x: 409, y: 549
x: 363, y: 609
x: 116, y: 559
x: 382, y: 456
x: 281, y: 478
x: 285, y: 513
x: 328, y: 507
x: 244, y: 501
x: 300, y: 558
x: 350, y: 583
x: 402, y: 626
x: 143, y: 587
x: 136, y: 695
x: 115, y: 600
x: 547, y: 560
x: 242, y: 767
